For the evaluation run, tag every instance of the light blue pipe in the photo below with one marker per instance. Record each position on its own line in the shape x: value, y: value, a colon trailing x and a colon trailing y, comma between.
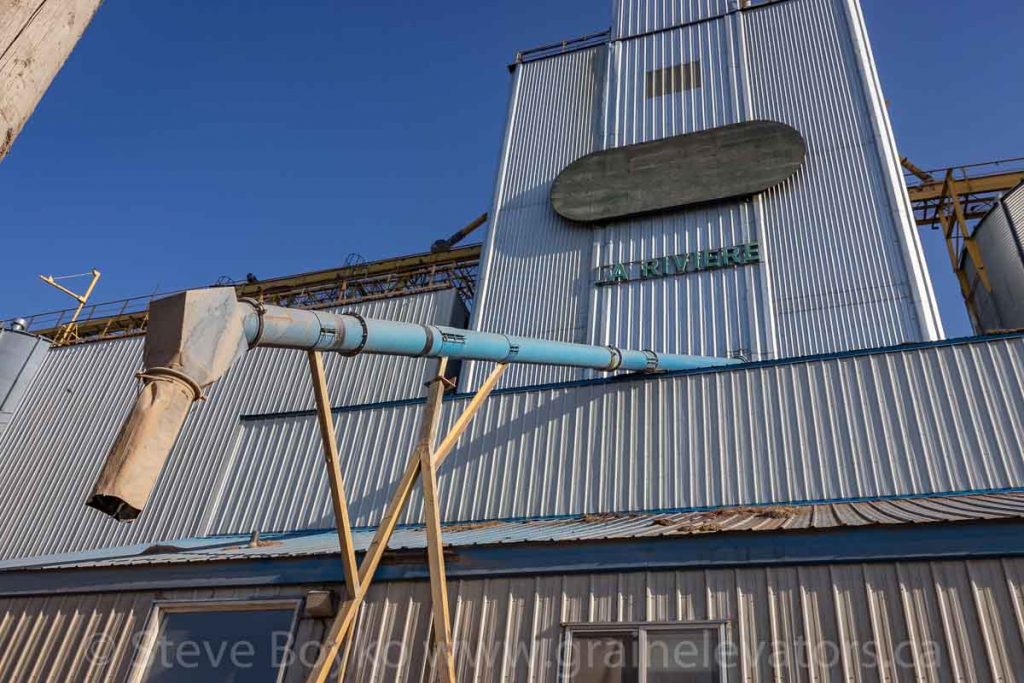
x: 350, y: 333
x: 194, y: 337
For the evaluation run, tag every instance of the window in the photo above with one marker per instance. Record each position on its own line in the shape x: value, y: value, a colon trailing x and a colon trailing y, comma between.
x: 644, y: 653
x: 204, y: 642
x: 673, y: 79
x: 604, y: 658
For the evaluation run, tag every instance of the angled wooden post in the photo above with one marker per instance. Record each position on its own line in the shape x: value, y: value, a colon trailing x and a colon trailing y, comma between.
x: 338, y: 501
x: 342, y: 624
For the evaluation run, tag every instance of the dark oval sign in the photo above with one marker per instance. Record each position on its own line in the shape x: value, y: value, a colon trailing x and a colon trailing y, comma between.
x: 698, y: 168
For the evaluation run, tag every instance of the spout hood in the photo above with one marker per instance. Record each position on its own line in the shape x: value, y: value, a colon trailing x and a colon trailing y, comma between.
x: 193, y: 339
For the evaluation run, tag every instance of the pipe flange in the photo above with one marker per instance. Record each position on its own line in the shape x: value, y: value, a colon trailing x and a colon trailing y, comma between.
x: 366, y: 334
x: 616, y: 361
x: 428, y: 332
x: 260, y: 311
x: 165, y: 374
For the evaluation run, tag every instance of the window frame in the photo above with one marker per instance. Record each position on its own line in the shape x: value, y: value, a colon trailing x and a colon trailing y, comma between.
x: 160, y: 608
x: 639, y: 629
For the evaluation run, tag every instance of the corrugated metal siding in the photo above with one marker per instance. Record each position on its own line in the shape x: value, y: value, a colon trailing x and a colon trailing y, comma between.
x: 21, y: 356
x: 94, y: 638
x: 843, y: 267
x: 986, y: 315
x: 709, y: 313
x: 633, y: 17
x: 833, y: 244
x: 714, y: 312
x: 907, y: 621
x: 1003, y: 307
x: 1014, y: 204
x: 637, y: 118
x: 917, y: 421
x: 534, y: 277
x: 936, y: 419
x: 893, y: 180
x: 56, y: 444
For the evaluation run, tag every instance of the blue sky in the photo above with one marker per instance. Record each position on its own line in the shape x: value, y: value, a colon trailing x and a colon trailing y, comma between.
x: 184, y: 141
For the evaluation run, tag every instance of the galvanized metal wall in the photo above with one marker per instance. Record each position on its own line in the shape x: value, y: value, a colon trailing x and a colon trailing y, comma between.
x: 893, y: 181
x: 712, y: 313
x: 534, y: 274
x: 843, y: 265
x: 935, y: 419
x: 56, y: 443
x: 636, y: 118
x: 1003, y: 258
x: 718, y: 313
x: 924, y: 621
x: 835, y: 243
x: 920, y: 621
x: 21, y: 356
x: 86, y: 638
x: 1000, y: 240
x: 1014, y: 204
x: 633, y: 17
x: 915, y: 421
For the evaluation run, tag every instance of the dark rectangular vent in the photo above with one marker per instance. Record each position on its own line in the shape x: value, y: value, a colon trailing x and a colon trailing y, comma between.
x: 673, y: 79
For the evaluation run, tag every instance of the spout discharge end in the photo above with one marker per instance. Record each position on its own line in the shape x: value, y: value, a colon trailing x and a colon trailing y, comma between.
x: 113, y: 506
x: 141, y: 449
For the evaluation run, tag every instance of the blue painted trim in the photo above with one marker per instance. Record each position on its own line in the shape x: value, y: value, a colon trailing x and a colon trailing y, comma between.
x: 641, y: 377
x: 973, y: 540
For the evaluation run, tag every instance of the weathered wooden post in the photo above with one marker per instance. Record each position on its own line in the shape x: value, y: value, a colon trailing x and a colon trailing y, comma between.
x: 36, y: 37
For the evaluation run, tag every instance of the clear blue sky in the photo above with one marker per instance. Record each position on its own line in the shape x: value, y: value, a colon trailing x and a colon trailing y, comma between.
x: 188, y: 140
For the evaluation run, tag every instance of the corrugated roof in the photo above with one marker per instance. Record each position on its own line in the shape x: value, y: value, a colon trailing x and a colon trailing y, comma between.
x: 896, y: 511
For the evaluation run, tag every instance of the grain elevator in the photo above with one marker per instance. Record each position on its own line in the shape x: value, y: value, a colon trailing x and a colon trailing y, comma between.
x: 838, y: 495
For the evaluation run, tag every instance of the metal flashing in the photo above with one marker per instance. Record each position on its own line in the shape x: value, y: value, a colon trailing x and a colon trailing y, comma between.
x: 977, y: 540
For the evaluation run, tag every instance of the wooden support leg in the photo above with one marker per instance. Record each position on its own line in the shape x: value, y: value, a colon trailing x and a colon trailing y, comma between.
x: 443, y: 652
x: 346, y: 616
x: 338, y: 501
